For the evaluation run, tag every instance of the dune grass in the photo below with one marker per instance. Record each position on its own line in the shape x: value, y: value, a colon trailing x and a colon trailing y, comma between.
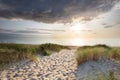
x: 111, y: 76
x: 96, y: 52
x: 48, y: 49
x: 10, y: 53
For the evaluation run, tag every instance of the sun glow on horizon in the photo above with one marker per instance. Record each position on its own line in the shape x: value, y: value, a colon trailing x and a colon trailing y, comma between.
x: 77, y: 27
x: 77, y: 42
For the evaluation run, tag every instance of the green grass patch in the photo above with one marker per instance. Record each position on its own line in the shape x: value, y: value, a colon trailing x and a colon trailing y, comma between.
x: 10, y: 53
x: 49, y: 48
x: 111, y: 76
x: 96, y: 52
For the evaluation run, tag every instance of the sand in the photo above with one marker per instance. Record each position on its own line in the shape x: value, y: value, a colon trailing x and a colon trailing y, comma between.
x: 60, y: 66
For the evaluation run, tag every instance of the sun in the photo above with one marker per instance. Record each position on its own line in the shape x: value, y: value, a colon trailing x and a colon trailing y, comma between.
x: 76, y: 28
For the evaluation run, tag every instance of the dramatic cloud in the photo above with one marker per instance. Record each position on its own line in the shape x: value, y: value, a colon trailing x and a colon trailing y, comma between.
x: 109, y: 26
x: 104, y: 24
x: 5, y: 30
x: 48, y: 30
x: 112, y: 25
x: 31, y: 31
x: 49, y: 11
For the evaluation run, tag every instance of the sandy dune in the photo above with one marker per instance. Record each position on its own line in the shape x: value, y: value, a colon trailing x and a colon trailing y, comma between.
x: 60, y: 66
x: 91, y: 70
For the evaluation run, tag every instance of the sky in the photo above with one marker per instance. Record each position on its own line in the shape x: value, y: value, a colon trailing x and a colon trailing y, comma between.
x: 61, y: 19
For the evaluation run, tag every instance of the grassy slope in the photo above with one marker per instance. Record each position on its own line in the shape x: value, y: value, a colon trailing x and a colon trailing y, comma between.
x: 47, y: 49
x: 10, y: 53
x: 86, y: 53
x: 96, y: 52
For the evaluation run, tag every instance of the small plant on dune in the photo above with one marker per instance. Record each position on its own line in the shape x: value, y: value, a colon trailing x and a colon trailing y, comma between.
x: 111, y: 76
x: 114, y: 53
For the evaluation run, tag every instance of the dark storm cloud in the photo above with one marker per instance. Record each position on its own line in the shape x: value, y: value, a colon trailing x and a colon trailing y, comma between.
x: 49, y: 11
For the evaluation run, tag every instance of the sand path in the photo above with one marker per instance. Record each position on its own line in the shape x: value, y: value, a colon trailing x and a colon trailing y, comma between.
x: 58, y: 66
